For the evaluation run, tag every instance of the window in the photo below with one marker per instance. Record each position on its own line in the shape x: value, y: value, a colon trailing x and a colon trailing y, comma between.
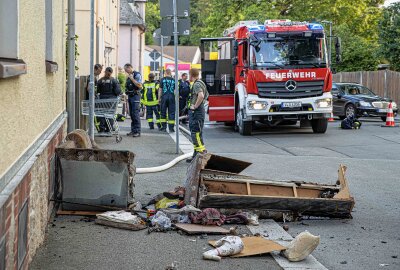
x: 51, y: 66
x: 10, y: 65
x: 49, y: 30
x: 9, y: 29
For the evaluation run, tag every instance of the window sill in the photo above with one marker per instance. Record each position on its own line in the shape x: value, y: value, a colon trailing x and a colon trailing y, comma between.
x: 11, y: 68
x: 51, y: 67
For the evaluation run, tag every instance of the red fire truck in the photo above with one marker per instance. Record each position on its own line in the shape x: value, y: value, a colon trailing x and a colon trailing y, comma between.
x: 274, y: 73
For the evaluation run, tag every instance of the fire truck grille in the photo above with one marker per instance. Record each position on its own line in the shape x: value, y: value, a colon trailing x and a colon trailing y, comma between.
x: 278, y: 90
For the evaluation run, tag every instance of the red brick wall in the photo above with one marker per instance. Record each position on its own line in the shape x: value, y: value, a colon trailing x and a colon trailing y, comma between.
x: 10, y: 210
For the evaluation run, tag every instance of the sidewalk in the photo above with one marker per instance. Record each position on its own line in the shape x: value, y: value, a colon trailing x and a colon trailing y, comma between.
x: 74, y: 243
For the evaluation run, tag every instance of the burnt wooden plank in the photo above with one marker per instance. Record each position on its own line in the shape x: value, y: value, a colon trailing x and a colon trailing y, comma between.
x: 307, y: 206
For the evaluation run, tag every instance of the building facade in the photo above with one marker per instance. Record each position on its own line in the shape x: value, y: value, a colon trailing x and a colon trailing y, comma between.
x: 105, y: 34
x: 33, y: 121
x: 132, y: 33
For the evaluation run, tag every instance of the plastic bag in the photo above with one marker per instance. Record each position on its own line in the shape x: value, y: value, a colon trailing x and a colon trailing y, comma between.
x: 167, y: 203
x: 227, y: 246
x: 160, y: 219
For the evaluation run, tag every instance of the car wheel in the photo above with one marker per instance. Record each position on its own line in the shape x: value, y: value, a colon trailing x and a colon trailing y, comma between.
x: 383, y: 118
x: 319, y: 125
x: 350, y: 110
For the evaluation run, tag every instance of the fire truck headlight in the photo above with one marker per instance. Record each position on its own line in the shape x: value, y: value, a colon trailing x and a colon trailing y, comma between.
x: 324, y: 103
x: 257, y: 105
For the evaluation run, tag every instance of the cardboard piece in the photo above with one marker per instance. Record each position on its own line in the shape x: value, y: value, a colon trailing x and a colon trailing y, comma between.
x: 201, y: 229
x: 255, y: 246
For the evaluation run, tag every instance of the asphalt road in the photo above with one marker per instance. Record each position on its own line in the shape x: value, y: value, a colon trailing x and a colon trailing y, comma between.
x: 73, y: 243
x: 370, y: 240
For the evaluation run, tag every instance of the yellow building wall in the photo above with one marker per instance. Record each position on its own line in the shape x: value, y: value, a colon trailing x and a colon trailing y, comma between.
x: 29, y: 103
x: 105, y: 34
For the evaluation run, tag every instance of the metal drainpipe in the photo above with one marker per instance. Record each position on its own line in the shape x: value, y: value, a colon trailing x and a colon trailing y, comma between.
x: 71, y: 66
x: 130, y: 46
x: 140, y: 52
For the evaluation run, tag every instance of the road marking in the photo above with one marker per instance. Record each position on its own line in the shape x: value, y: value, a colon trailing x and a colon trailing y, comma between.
x: 273, y: 231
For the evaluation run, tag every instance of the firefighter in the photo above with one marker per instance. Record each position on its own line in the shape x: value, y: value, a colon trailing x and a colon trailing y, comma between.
x: 107, y: 87
x: 150, y: 100
x: 198, y: 94
x: 167, y: 96
x: 133, y: 87
x: 184, y: 91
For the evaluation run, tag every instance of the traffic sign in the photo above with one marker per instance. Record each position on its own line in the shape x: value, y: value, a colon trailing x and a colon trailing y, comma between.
x: 157, y: 38
x: 167, y: 27
x: 154, y: 66
x: 182, y: 6
x: 155, y: 55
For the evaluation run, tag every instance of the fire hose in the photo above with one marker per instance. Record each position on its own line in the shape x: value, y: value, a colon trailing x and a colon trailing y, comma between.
x: 169, y: 164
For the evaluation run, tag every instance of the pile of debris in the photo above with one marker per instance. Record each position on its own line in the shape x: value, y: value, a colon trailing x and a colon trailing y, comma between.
x: 215, y: 182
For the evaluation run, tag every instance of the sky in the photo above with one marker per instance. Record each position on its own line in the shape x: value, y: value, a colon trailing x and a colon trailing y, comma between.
x: 388, y: 2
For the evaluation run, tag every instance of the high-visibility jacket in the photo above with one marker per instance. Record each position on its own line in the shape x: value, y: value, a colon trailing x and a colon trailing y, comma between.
x: 150, y: 93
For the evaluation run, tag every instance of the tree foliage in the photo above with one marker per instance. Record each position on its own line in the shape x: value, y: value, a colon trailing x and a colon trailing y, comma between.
x: 389, y: 35
x: 357, y: 19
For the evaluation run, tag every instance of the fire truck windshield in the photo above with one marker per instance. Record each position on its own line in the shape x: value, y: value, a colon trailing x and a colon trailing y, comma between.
x: 288, y: 52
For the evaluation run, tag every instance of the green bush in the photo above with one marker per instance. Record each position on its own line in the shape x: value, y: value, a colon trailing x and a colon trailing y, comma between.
x: 122, y: 80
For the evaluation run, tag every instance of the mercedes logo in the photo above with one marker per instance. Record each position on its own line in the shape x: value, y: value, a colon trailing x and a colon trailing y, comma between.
x: 291, y: 85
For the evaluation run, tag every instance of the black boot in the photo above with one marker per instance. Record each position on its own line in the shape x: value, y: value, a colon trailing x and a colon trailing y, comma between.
x: 151, y: 125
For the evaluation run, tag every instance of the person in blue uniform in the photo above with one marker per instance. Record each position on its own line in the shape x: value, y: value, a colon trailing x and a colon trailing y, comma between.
x: 107, y: 88
x: 133, y: 88
x: 184, y: 91
x: 167, y: 94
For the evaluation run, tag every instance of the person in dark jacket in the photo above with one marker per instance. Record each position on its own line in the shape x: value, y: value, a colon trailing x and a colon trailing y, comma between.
x: 133, y: 87
x: 198, y: 95
x: 96, y: 71
x: 184, y: 91
x: 107, y: 88
x: 167, y: 94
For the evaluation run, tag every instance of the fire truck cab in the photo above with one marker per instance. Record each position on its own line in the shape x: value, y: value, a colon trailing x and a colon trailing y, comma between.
x: 276, y: 72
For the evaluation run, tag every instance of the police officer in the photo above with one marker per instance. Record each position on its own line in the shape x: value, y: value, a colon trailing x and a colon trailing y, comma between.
x: 150, y: 100
x: 133, y: 87
x: 198, y: 94
x: 107, y: 87
x: 166, y: 93
x: 184, y: 91
x: 96, y: 71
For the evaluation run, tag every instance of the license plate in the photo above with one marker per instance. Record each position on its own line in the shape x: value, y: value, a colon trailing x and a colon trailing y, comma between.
x: 383, y: 110
x: 291, y: 104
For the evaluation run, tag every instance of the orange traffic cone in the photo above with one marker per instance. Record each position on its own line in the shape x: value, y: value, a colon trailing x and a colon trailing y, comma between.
x: 390, y: 117
x: 330, y: 119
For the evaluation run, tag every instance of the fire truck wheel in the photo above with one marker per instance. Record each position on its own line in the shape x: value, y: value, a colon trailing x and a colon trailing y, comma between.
x: 319, y: 125
x: 244, y: 127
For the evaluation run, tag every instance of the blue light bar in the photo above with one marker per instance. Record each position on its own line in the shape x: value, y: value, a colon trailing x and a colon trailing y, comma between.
x: 256, y: 28
x: 315, y: 26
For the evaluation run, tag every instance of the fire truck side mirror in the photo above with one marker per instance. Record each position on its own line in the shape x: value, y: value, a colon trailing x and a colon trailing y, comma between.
x: 235, y: 61
x: 338, y: 49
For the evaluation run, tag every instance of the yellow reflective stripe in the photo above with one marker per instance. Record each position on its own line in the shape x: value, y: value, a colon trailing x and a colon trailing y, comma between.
x: 158, y: 121
x: 199, y: 143
x: 171, y: 121
x: 151, y: 103
x: 150, y: 120
x: 163, y: 120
